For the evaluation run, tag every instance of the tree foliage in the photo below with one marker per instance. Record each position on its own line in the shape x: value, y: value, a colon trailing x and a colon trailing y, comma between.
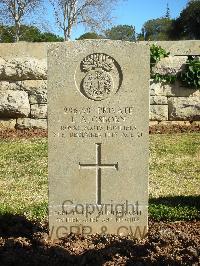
x: 27, y: 33
x: 187, y: 25
x: 156, y: 29
x: 167, y: 15
x: 90, y: 35
x: 94, y: 14
x: 14, y: 12
x: 121, y: 32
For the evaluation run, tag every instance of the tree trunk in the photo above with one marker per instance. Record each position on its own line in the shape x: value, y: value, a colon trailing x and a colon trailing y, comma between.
x: 68, y: 34
x: 17, y: 31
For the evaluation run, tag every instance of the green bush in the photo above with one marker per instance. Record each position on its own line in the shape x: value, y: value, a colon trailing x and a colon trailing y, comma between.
x: 156, y: 54
x: 190, y: 77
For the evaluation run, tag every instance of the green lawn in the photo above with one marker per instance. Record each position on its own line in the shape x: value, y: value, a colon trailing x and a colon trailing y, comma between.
x: 174, y: 177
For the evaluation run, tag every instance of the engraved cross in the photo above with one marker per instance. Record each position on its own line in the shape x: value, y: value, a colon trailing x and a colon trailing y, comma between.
x: 98, y: 166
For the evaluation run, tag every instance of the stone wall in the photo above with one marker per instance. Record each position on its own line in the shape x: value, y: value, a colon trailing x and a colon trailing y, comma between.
x: 174, y: 102
x: 23, y: 86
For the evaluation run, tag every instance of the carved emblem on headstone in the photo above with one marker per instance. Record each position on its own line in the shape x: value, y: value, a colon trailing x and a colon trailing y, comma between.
x: 100, y: 80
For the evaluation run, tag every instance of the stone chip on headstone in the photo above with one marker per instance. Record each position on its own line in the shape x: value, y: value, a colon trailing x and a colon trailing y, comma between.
x: 98, y: 118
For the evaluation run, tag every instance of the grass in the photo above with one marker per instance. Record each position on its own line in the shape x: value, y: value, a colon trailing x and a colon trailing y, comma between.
x: 174, y: 177
x: 174, y: 183
x: 23, y: 177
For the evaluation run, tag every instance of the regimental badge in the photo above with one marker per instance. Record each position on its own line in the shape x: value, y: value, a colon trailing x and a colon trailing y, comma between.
x: 99, y: 81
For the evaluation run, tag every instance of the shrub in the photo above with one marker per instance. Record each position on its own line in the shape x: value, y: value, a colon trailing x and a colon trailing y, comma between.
x: 191, y: 75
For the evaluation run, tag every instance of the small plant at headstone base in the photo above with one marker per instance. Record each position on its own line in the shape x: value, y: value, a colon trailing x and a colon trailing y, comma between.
x: 190, y: 77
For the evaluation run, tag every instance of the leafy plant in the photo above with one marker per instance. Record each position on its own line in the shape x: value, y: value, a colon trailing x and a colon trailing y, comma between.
x: 169, y: 79
x: 156, y: 54
x: 191, y: 75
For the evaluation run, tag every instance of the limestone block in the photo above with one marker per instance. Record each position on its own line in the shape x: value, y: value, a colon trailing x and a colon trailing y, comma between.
x: 6, y: 85
x: 153, y: 123
x: 178, y: 90
x: 183, y: 47
x: 156, y: 89
x: 7, y: 124
x: 158, y: 112
x: 37, y: 90
x: 158, y: 100
x: 175, y: 123
x: 14, y: 104
x: 184, y: 108
x: 23, y: 68
x: 28, y: 123
x: 20, y: 49
x: 196, y: 123
x: 39, y: 110
x: 170, y: 65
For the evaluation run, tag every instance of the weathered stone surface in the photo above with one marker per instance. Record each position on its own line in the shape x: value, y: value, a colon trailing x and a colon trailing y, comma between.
x: 158, y: 100
x: 22, y: 69
x: 188, y: 47
x: 7, y: 124
x: 34, y: 85
x: 158, y: 112
x: 156, y: 89
x: 98, y: 119
x: 28, y: 123
x: 153, y: 123
x: 170, y: 65
x: 24, y: 49
x: 14, y: 104
x: 196, y: 123
x: 37, y: 90
x: 184, y: 108
x: 39, y: 111
x: 7, y: 85
x: 169, y: 90
x: 175, y: 123
x: 177, y: 90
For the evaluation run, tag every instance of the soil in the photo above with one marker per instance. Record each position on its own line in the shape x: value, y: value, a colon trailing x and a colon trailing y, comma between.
x: 17, y: 134
x: 171, y: 129
x: 26, y: 243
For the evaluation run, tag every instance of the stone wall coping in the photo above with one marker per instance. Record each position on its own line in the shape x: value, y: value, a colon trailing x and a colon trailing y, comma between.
x: 39, y: 49
x: 187, y: 47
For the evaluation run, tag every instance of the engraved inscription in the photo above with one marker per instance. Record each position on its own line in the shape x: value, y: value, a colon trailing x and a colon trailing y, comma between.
x: 100, y: 122
x: 98, y: 166
x: 102, y: 76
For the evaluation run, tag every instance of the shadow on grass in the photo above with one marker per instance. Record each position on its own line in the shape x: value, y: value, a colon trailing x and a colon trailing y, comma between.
x: 189, y: 201
x: 175, y: 208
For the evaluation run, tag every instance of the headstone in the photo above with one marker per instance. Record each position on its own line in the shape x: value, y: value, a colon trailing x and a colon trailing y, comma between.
x: 98, y: 118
